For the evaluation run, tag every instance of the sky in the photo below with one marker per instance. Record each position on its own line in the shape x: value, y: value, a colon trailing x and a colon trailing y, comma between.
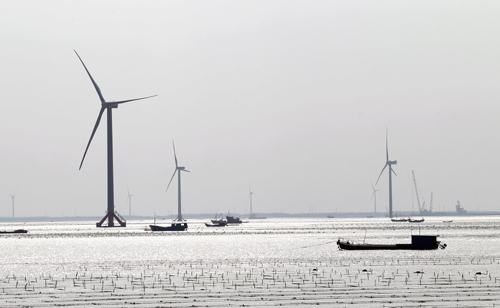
x: 289, y: 99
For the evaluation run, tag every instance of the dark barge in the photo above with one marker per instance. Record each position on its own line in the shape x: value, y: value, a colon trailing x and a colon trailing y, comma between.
x: 418, y: 242
x: 173, y: 227
x: 15, y: 231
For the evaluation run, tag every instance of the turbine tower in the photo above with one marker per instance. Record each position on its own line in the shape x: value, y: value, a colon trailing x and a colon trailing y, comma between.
x: 177, y: 168
x: 374, y: 197
x: 108, y: 106
x: 13, y: 196
x: 129, y: 203
x: 388, y: 163
x: 250, y: 193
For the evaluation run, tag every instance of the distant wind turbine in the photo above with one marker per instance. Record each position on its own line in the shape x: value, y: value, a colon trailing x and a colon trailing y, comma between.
x: 179, y: 169
x: 13, y: 196
x: 388, y: 163
x: 250, y: 194
x: 374, y: 197
x: 129, y: 199
x: 111, y: 214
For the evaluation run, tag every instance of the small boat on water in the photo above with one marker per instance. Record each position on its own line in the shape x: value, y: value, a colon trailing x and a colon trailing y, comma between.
x: 418, y: 242
x: 221, y: 224
x: 15, y: 231
x: 416, y: 220
x: 399, y: 219
x: 174, y: 227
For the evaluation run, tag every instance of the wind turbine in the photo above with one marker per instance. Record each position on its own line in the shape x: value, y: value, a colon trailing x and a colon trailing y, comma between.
x: 250, y: 194
x: 374, y: 197
x: 129, y: 203
x: 177, y: 168
x: 110, y: 213
x: 13, y: 196
x: 388, y: 163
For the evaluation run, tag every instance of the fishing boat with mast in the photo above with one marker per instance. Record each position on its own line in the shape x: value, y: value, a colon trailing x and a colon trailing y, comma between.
x: 174, y: 226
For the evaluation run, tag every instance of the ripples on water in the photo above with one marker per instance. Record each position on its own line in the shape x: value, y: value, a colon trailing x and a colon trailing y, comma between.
x: 63, y: 247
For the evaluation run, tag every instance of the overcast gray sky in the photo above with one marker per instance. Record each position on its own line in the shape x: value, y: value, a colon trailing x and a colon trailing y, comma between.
x: 289, y: 98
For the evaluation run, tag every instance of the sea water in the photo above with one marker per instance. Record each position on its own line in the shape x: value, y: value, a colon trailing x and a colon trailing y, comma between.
x: 48, y: 245
x: 295, y: 257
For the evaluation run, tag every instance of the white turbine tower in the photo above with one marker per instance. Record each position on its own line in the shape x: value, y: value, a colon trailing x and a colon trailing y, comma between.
x: 374, y: 197
x: 250, y: 194
x: 13, y: 196
x: 129, y: 199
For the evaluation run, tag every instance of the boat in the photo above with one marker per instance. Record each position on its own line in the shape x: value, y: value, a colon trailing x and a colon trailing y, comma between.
x: 233, y: 220
x: 399, y: 219
x: 416, y: 220
x: 174, y: 227
x: 418, y: 242
x: 15, y: 231
x: 221, y: 224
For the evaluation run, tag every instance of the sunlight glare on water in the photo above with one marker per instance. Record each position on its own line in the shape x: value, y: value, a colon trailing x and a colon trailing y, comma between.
x: 63, y: 247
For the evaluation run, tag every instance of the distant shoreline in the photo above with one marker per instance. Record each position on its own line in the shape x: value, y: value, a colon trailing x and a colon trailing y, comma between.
x: 245, y: 216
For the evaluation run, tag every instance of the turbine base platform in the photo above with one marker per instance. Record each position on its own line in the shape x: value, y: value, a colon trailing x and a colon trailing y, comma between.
x: 111, y: 217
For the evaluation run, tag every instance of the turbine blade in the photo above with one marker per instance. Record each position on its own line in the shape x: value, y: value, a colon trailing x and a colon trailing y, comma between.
x: 92, y: 136
x: 128, y: 100
x: 171, y: 180
x: 186, y: 170
x: 93, y: 81
x: 380, y: 174
x: 393, y: 172
x: 175, y: 156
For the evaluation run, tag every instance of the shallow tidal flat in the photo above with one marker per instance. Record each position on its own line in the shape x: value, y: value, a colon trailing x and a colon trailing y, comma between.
x: 287, y: 268
x: 271, y: 283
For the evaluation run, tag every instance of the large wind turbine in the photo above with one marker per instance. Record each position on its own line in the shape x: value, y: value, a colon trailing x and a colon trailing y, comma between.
x: 388, y: 163
x: 177, y: 168
x: 110, y: 214
x: 374, y: 197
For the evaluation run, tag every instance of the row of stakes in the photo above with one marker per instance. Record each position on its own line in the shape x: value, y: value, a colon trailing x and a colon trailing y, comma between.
x: 275, y: 276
